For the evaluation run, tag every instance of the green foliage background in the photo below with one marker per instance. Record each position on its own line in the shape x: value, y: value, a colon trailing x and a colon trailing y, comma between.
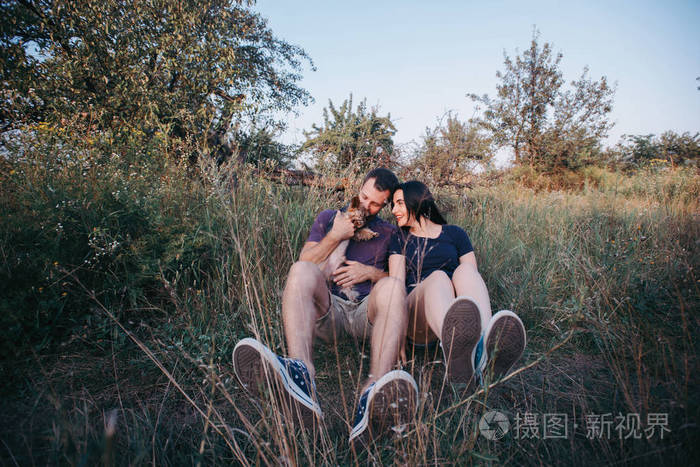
x: 130, y: 265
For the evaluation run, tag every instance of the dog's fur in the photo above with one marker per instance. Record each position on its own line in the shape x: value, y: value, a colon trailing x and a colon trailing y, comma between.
x: 358, y: 217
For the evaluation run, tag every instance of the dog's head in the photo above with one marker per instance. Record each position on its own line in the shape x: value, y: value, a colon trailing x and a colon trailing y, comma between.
x: 356, y: 212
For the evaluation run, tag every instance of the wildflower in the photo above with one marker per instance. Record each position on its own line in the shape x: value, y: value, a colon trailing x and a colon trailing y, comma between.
x: 41, y: 289
x: 64, y: 294
x: 55, y: 263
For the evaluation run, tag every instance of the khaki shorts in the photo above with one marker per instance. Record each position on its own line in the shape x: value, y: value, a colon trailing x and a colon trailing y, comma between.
x: 344, y: 316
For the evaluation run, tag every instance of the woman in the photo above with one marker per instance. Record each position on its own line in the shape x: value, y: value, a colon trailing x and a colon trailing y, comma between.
x: 447, y: 298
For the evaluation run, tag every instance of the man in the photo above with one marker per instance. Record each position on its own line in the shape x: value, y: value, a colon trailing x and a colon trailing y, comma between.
x: 311, y: 309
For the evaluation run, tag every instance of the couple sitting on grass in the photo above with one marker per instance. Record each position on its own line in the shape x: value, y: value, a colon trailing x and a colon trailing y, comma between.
x: 432, y: 293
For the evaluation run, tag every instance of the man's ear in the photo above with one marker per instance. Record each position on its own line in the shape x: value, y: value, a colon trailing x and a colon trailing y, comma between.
x: 355, y: 202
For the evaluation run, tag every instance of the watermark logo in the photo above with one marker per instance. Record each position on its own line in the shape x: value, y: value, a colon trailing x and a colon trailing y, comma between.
x: 494, y: 425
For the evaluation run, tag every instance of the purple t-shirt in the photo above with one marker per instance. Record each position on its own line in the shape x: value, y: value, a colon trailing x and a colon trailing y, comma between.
x: 370, y: 252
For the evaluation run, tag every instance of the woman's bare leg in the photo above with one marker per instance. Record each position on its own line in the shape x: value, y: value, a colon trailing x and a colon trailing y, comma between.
x: 427, y: 305
x: 468, y: 282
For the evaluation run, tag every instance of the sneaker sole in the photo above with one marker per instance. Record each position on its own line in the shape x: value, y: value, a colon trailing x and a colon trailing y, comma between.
x: 506, y: 338
x: 393, y: 404
x: 257, y: 368
x: 461, y: 330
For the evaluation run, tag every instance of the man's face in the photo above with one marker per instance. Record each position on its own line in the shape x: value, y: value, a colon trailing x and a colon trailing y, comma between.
x: 371, y: 199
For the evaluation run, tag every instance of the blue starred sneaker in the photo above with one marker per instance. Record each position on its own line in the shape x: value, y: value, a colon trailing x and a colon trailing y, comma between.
x: 504, y: 344
x: 479, y: 361
x: 258, y: 368
x: 388, y: 402
x: 461, y: 330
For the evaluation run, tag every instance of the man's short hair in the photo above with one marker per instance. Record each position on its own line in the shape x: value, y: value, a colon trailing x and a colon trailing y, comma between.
x: 384, y: 179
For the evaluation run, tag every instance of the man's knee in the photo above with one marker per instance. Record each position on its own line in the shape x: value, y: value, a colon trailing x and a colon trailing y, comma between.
x: 388, y: 294
x: 388, y: 286
x: 304, y: 275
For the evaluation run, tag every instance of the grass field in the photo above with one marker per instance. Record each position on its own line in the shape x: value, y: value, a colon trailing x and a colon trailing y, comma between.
x: 125, y: 287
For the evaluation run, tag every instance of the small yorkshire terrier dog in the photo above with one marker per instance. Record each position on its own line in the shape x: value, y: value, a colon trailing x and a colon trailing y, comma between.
x: 358, y: 217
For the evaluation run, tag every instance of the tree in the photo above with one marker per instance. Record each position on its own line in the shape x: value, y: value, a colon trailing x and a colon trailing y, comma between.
x: 451, y: 149
x: 187, y: 67
x: 546, y: 126
x: 671, y: 147
x: 257, y: 145
x: 360, y: 137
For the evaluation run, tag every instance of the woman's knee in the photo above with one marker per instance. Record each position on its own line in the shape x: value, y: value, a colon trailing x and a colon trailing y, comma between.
x: 465, y: 269
x: 437, y: 277
x: 466, y: 275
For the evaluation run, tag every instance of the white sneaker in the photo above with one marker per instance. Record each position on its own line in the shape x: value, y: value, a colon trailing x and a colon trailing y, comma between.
x: 504, y: 344
x: 461, y: 330
x: 253, y: 362
x: 388, y: 402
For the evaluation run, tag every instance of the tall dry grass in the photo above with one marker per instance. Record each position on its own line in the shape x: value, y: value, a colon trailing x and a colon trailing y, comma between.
x: 132, y: 365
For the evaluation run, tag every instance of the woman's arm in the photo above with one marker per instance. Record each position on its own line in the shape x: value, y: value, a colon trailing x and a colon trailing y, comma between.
x: 397, y: 267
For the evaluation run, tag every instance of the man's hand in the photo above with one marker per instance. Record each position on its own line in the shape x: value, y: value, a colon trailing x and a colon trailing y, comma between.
x: 343, y: 228
x: 353, y: 272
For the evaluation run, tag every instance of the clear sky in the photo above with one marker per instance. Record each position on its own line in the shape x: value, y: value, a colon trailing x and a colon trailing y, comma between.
x: 418, y: 59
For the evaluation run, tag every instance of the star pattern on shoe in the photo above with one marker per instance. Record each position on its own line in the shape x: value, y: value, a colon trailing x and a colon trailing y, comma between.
x: 300, y: 374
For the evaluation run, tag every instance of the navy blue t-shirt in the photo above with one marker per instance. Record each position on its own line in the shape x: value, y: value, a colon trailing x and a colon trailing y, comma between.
x: 426, y: 255
x: 371, y: 252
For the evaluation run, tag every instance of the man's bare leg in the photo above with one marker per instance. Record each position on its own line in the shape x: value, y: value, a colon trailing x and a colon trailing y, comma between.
x: 387, y: 313
x: 392, y: 399
x: 305, y: 300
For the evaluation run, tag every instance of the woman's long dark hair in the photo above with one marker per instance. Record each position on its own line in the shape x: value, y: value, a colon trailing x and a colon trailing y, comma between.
x: 420, y: 202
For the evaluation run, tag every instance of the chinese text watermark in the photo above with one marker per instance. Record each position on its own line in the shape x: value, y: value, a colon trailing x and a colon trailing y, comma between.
x: 530, y: 425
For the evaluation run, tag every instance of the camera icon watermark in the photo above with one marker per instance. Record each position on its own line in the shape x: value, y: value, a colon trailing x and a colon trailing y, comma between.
x: 494, y: 425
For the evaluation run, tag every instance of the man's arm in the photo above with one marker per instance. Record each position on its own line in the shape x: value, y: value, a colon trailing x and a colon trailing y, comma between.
x: 317, y: 252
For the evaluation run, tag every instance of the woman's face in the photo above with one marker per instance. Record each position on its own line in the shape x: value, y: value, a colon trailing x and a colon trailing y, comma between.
x: 399, y: 210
